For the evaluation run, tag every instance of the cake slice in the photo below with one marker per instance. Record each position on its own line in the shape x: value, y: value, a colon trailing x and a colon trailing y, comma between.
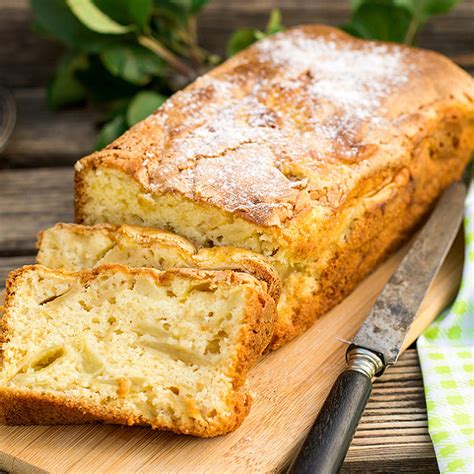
x: 77, y: 247
x: 170, y: 350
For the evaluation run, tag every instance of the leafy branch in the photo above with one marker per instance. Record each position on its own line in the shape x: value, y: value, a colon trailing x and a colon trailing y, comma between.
x: 128, y: 56
x: 125, y: 56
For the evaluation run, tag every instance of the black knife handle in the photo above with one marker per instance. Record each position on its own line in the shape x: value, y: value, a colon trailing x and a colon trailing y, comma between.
x: 329, y: 438
x: 326, y: 445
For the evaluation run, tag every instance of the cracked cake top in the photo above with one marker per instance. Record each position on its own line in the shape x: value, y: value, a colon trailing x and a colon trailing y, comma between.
x: 306, y: 117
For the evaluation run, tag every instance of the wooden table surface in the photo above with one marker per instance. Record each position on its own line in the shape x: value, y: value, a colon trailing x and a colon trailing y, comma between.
x: 36, y: 188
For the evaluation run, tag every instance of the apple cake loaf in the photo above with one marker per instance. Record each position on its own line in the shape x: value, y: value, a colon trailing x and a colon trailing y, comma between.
x: 169, y: 350
x: 77, y: 247
x: 316, y: 149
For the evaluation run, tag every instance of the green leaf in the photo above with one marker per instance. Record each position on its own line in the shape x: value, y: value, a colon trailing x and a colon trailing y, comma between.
x: 64, y: 88
x: 115, y: 9
x: 438, y: 7
x: 244, y: 37
x: 423, y: 9
x: 142, y: 105
x: 133, y: 63
x: 352, y: 30
x: 173, y: 11
x: 140, y: 11
x: 240, y: 40
x: 188, y: 7
x: 55, y: 18
x: 382, y: 21
x: 111, y: 130
x: 95, y: 19
x: 274, y: 23
x: 101, y: 85
x: 197, y: 5
x: 137, y: 12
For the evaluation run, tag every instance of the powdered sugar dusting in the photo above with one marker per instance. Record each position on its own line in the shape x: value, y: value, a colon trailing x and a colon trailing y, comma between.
x: 352, y: 78
x: 240, y: 139
x: 259, y: 181
x: 347, y: 80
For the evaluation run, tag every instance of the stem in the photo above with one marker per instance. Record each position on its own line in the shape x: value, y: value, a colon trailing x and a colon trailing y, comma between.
x: 192, y: 41
x: 411, y: 31
x: 415, y: 23
x: 153, y: 45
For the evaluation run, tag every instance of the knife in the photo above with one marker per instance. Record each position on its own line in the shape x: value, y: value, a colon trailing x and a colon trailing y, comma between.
x: 379, y: 341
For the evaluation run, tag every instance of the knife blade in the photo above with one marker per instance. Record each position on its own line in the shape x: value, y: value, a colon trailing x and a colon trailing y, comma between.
x: 380, y: 339
x: 394, y: 311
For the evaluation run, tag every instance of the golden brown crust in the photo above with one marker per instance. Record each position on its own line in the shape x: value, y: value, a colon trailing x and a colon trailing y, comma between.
x: 29, y: 407
x: 389, y: 218
x: 217, y: 258
x: 19, y: 407
x: 314, y: 104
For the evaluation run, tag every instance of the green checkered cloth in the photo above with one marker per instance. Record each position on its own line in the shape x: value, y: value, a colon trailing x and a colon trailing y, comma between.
x: 446, y: 352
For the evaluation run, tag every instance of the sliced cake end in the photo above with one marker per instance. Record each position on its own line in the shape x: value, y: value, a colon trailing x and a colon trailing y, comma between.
x: 131, y: 346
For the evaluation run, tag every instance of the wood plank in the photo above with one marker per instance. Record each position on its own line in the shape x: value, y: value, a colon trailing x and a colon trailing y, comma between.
x: 30, y: 201
x: 394, y: 438
x: 43, y: 138
x: 28, y: 60
x: 7, y: 264
x: 290, y: 386
x: 417, y: 457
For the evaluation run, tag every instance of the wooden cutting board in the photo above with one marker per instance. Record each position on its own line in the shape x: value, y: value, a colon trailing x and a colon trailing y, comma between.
x: 290, y: 386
